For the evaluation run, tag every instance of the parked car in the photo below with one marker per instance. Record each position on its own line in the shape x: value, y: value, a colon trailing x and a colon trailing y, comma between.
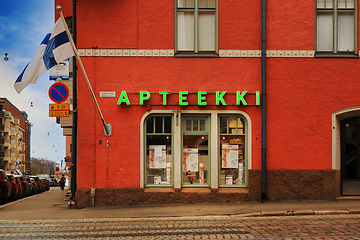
x: 5, y: 187
x: 56, y: 184
x: 14, y: 189
x: 45, y: 184
x: 38, y: 183
x: 32, y: 184
x: 20, y: 187
x: 51, y: 182
x: 25, y: 185
x: 35, y: 185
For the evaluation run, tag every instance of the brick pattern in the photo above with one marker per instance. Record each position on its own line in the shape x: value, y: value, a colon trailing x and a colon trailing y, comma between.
x: 281, y: 185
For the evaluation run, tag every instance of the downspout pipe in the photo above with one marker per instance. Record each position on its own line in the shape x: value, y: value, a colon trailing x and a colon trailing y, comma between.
x: 263, y: 96
x: 74, y: 126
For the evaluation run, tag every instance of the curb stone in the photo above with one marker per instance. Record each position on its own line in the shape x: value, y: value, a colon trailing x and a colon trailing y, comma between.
x: 297, y: 213
x: 301, y: 212
x: 354, y: 211
x: 255, y: 214
x: 331, y: 212
x: 275, y: 213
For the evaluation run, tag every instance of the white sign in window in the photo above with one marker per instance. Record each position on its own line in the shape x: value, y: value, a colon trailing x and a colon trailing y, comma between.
x: 190, y: 159
x: 230, y: 156
x: 157, y: 157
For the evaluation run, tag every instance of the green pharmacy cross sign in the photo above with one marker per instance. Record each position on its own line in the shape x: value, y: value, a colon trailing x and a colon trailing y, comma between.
x: 183, y: 98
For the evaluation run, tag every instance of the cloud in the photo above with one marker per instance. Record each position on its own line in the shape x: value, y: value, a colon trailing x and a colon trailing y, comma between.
x: 46, y: 137
x: 23, y: 25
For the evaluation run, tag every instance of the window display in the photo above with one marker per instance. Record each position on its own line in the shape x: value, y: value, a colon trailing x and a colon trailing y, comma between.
x: 195, y: 151
x: 158, y: 150
x: 194, y: 156
x: 232, y: 151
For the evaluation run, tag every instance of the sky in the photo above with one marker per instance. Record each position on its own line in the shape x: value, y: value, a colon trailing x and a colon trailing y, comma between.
x: 23, y: 25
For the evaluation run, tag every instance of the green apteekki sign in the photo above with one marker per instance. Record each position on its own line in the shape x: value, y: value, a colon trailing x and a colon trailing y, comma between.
x: 201, y: 98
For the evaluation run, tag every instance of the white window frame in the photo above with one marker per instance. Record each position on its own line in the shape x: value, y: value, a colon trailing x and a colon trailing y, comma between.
x: 334, y: 10
x: 177, y: 135
x: 196, y: 11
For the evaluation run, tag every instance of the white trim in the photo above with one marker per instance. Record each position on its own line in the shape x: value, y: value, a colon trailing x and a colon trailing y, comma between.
x: 170, y: 53
x: 177, y: 142
x: 337, y: 116
x: 214, y: 150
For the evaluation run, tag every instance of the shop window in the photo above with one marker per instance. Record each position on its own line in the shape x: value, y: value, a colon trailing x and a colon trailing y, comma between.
x: 196, y: 27
x: 336, y: 27
x: 196, y: 155
x: 159, y: 155
x: 232, y: 160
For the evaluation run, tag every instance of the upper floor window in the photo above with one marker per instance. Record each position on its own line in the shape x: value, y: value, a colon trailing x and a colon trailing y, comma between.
x: 196, y: 26
x: 336, y: 27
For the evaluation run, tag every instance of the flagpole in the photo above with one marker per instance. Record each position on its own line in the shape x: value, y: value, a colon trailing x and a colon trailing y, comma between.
x: 82, y: 68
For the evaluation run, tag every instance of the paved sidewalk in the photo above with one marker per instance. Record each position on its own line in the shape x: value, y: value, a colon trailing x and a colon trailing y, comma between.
x: 54, y: 205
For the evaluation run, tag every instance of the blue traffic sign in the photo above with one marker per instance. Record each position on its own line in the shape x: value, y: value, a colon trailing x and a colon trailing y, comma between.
x: 58, y: 92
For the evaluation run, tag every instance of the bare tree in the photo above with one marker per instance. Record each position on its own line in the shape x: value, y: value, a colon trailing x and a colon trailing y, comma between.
x: 42, y: 166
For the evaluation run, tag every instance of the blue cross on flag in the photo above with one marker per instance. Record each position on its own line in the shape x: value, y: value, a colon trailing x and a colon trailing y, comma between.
x: 54, y: 48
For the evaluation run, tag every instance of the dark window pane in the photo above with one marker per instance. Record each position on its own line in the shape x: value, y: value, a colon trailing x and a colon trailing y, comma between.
x: 188, y: 125
x: 150, y: 125
x: 242, y: 126
x: 223, y: 125
x: 202, y: 125
x: 195, y: 125
x: 158, y: 125
x: 167, y: 124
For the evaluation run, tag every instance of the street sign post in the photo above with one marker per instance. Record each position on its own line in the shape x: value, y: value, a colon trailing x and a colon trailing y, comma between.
x: 59, y: 110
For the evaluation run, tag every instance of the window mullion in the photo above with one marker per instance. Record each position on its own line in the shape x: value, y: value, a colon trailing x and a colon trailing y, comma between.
x: 227, y: 126
x: 154, y: 126
x: 355, y: 27
x: 335, y: 33
x: 196, y: 25
x: 163, y: 125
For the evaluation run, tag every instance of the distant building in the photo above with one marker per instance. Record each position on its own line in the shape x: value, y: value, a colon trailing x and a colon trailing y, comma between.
x: 15, y: 130
x: 2, y: 134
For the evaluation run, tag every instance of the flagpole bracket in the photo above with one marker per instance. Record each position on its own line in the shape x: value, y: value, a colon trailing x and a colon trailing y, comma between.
x: 108, y: 130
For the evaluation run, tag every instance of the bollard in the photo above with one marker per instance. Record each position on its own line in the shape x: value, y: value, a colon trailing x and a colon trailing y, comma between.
x: 93, y: 197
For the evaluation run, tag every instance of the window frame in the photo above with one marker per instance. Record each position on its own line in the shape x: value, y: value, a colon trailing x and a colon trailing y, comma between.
x: 177, y: 143
x: 155, y: 115
x: 185, y: 132
x: 245, y: 134
x: 196, y: 52
x: 335, y: 11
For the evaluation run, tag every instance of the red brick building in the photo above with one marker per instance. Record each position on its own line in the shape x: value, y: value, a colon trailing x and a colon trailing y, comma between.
x: 180, y: 82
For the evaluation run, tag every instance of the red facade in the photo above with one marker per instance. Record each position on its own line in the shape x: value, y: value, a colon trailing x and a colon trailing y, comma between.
x: 307, y: 97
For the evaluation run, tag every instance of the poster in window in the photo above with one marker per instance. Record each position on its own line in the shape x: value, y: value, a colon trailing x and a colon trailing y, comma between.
x: 157, y: 158
x: 230, y: 156
x: 190, y: 159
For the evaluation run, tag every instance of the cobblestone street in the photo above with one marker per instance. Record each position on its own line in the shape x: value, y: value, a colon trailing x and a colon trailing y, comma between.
x: 215, y: 227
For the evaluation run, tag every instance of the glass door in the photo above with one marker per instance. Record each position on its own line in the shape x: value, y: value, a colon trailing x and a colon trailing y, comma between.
x: 196, y: 154
x: 350, y: 156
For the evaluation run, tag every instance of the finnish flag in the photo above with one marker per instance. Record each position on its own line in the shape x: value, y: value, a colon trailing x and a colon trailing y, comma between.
x: 54, y: 48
